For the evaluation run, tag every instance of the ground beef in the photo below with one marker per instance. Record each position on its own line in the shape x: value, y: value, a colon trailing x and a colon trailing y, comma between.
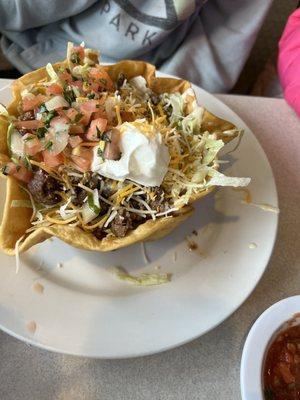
x: 137, y: 220
x: 99, y: 233
x: 79, y: 196
x: 27, y: 116
x: 122, y: 223
x: 91, y: 180
x: 107, y: 189
x: 43, y: 186
x: 74, y: 180
x: 158, y: 202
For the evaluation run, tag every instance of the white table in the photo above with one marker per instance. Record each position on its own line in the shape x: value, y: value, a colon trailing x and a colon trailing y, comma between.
x: 207, y: 368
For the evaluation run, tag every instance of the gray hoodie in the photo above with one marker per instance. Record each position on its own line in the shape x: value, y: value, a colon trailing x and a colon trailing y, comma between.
x: 204, y: 41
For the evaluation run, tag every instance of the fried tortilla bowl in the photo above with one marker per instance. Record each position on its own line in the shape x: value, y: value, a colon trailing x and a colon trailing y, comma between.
x: 16, y: 221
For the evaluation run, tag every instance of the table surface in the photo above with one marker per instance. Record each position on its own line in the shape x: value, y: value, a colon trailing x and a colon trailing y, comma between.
x: 207, y: 368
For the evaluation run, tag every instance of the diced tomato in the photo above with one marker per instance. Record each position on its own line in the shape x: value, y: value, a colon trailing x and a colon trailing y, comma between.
x: 32, y: 144
x: 86, y: 117
x: 71, y: 113
x: 99, y: 123
x: 93, y: 86
x: 77, y: 84
x: 102, y: 78
x: 31, y: 124
x: 53, y: 160
x: 74, y: 140
x: 101, y: 113
x: 59, y: 120
x: 76, y: 129
x: 91, y: 105
x: 19, y: 172
x: 83, y: 159
x: 30, y: 102
x: 65, y: 76
x: 82, y: 163
x: 54, y: 88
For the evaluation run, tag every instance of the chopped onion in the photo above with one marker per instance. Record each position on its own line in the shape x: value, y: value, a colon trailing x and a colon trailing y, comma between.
x: 88, y: 214
x: 56, y: 102
x: 59, y: 137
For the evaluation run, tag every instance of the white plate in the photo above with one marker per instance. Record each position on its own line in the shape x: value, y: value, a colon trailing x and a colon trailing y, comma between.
x: 85, y: 310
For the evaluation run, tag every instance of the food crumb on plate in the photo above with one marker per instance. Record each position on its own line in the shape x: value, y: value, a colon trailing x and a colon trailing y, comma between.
x: 59, y: 265
x: 192, y: 246
x: 38, y: 287
x: 144, y: 279
x: 252, y: 245
x: 175, y: 256
x: 31, y: 327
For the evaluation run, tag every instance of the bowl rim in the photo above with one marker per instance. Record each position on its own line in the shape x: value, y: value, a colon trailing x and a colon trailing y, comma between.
x: 257, y: 341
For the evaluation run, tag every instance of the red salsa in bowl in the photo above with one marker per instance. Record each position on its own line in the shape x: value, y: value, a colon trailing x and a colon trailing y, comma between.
x: 281, y: 372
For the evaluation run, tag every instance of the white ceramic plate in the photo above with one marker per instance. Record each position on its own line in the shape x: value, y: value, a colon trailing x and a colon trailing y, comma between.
x: 85, y: 310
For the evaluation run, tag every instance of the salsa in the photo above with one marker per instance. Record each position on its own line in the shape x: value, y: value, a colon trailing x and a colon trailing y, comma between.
x: 281, y: 373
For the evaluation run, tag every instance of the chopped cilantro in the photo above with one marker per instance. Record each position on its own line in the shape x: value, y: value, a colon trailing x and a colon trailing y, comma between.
x: 48, y: 118
x: 42, y: 108
x: 48, y: 145
x: 27, y: 163
x: 69, y: 95
x: 91, y: 96
x: 75, y: 59
x: 106, y: 138
x: 100, y: 152
x: 40, y: 132
x: 61, y: 69
x: 5, y: 170
x: 78, y: 117
x: 29, y: 138
x: 99, y: 133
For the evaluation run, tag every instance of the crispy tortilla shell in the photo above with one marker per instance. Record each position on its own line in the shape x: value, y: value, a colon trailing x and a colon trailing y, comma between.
x: 16, y: 221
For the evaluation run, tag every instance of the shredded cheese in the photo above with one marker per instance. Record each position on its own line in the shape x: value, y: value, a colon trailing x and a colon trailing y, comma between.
x: 117, y: 108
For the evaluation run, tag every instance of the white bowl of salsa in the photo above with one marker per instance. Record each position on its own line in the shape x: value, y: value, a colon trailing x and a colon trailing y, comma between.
x: 270, y: 366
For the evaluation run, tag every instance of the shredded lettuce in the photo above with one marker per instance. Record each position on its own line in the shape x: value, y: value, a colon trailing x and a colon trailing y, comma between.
x: 176, y: 101
x: 192, y: 122
x: 144, y: 279
x: 219, y: 179
x: 212, y: 148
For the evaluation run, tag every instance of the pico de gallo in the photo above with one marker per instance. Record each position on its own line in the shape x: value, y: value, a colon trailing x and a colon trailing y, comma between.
x: 282, y: 366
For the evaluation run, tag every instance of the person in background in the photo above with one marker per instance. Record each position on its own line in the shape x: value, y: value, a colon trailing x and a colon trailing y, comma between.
x: 289, y: 61
x: 204, y: 41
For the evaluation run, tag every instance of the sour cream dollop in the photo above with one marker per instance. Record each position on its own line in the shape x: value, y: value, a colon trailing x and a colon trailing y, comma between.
x: 144, y: 156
